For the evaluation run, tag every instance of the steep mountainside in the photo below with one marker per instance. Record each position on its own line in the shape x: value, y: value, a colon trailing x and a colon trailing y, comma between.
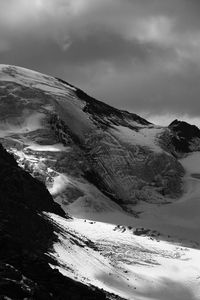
x: 82, y: 149
x: 26, y: 236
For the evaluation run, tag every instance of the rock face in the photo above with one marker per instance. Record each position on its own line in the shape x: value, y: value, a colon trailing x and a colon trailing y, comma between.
x: 82, y: 148
x: 26, y: 235
x: 185, y: 137
x: 16, y: 185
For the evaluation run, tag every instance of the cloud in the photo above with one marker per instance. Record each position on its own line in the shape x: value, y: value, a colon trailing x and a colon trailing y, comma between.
x: 141, y: 55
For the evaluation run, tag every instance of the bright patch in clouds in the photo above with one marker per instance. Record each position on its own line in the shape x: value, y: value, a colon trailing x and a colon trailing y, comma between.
x: 155, y: 29
x: 39, y: 3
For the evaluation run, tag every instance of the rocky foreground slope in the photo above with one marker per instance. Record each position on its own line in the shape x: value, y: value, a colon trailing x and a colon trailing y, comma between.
x: 26, y: 237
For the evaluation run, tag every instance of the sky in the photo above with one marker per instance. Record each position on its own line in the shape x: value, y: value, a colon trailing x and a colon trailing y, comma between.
x: 138, y: 55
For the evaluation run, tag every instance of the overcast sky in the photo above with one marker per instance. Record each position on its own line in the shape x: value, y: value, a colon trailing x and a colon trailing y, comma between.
x: 140, y: 55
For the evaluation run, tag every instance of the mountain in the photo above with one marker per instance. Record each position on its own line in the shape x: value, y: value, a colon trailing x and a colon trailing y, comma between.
x: 83, y: 147
x: 125, y: 216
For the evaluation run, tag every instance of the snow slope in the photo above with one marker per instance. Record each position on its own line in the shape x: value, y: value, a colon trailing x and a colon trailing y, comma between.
x: 145, y: 137
x: 179, y: 219
x: 133, y: 267
x: 38, y: 80
x: 160, y: 266
x: 191, y: 163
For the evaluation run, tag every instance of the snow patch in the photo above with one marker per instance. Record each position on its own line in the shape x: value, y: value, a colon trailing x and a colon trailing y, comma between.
x: 191, y: 163
x: 59, y: 184
x: 49, y: 148
x: 144, y: 137
x: 20, y: 126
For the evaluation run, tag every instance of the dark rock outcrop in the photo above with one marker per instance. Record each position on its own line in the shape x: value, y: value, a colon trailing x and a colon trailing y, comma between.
x: 105, y: 114
x: 184, y: 137
x: 25, y: 238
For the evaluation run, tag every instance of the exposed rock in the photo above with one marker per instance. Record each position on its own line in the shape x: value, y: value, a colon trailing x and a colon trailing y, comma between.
x: 185, y: 137
x: 25, y: 238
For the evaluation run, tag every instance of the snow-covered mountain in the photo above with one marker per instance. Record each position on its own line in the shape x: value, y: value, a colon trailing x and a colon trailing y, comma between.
x: 83, y: 148
x: 131, y: 187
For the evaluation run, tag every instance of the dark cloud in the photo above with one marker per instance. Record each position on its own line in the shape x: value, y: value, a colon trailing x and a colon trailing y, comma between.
x: 141, y: 55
